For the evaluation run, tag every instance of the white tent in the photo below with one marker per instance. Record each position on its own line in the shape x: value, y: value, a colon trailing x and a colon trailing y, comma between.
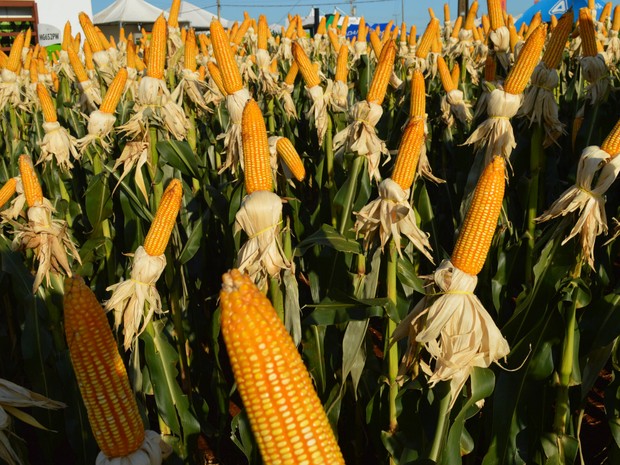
x: 197, y: 17
x: 128, y: 11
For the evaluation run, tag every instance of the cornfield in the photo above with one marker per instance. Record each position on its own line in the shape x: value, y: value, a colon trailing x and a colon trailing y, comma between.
x: 257, y: 247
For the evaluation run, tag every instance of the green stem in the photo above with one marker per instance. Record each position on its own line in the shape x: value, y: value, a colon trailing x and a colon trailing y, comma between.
x: 391, y: 326
x: 536, y: 161
x: 177, y: 321
x: 348, y: 202
x: 442, y: 422
x: 329, y: 164
x: 592, y: 124
x: 158, y: 188
x: 271, y: 120
x: 277, y: 300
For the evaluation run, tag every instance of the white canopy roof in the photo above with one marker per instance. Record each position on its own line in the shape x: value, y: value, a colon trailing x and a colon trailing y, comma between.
x: 197, y: 17
x: 128, y: 11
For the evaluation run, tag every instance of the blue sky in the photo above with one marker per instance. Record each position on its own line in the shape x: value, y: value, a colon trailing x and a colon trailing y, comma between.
x: 377, y: 11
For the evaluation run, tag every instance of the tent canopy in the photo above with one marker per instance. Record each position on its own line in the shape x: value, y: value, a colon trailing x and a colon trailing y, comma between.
x: 128, y: 11
x: 554, y: 7
x: 197, y: 17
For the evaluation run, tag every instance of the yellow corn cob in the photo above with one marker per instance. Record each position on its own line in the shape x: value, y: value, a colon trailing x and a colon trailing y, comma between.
x: 310, y: 75
x: 7, y: 191
x: 455, y: 74
x: 34, y: 72
x: 361, y: 30
x: 112, y: 409
x: 28, y: 59
x: 161, y: 228
x: 591, y: 4
x: 444, y: 73
x: 427, y: 38
x: 231, y: 77
x: 47, y: 105
x: 291, y: 158
x: 114, y: 93
x: 233, y: 30
x: 611, y: 144
x: 77, y: 41
x: 173, y: 17
x: 140, y: 65
x: 514, y: 37
x: 431, y: 13
x: 417, y: 108
x: 472, y: 245
x: 292, y: 24
x: 157, y: 50
x: 615, y: 25
x: 342, y: 70
x: 105, y: 43
x: 15, y: 56
x: 605, y: 13
x: 76, y: 64
x: 131, y: 55
x: 91, y: 33
x: 191, y: 50
x: 343, y: 27
x: 30, y: 181
x: 395, y: 34
x: 376, y: 44
x: 387, y: 32
x: 523, y: 30
x: 285, y: 412
x: 204, y: 44
x: 576, y: 127
x: 67, y: 38
x: 490, y: 67
x: 496, y: 15
x: 273, y: 66
x: 336, y: 19
x: 436, y: 47
x: 534, y: 23
x: 122, y: 38
x: 238, y: 37
x: 413, y: 31
x: 587, y: 33
x: 446, y: 12
x: 55, y: 81
x: 471, y: 16
x: 28, y: 38
x: 292, y: 74
x: 112, y: 42
x: 554, y: 23
x: 322, y: 28
x: 42, y: 69
x: 202, y: 72
x: 216, y: 75
x: 3, y: 59
x: 263, y: 32
x: 403, y: 32
x: 475, y: 33
x: 486, y: 24
x: 333, y: 39
x: 529, y: 57
x: 255, y: 149
x: 457, y: 27
x: 383, y: 72
x: 300, y: 28
x: 556, y: 44
x: 409, y: 153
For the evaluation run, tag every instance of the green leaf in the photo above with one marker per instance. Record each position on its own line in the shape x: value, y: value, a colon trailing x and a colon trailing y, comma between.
x: 330, y: 312
x: 353, y: 353
x: 407, y: 275
x: 192, y: 245
x: 178, y: 154
x: 98, y: 201
x: 328, y: 237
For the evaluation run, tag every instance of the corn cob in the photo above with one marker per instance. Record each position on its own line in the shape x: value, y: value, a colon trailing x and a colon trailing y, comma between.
x: 216, y: 75
x: 554, y: 23
x: 238, y: 37
x: 7, y: 191
x: 611, y: 144
x: 471, y: 16
x: 486, y: 24
x: 342, y: 70
x: 436, y: 47
x: 191, y: 51
x: 615, y: 25
x: 300, y: 28
x: 361, y: 30
x: 157, y: 50
x: 555, y: 47
x: 292, y: 74
x: 28, y: 38
x: 91, y: 33
x: 446, y: 12
x: 55, y: 81
x: 114, y: 92
x: 255, y: 149
x: 455, y: 74
x: 112, y: 410
x: 161, y: 228
x: 496, y: 15
x: 387, y: 32
x: 28, y: 59
x: 3, y: 59
x: 514, y: 37
x: 273, y: 66
x: 122, y: 38
x: 30, y: 181
x: 457, y: 27
x: 376, y: 44
x: 310, y: 75
x: 343, y: 27
x: 34, y: 72
x: 534, y: 23
x: 417, y: 108
x: 403, y: 32
x: 336, y: 19
x: 105, y: 43
x: 472, y: 245
x: 490, y: 68
x: 77, y: 66
x: 409, y: 153
x: 431, y: 13
x: 529, y: 57
x: 383, y: 72
x: 173, y: 17
x: 202, y: 72
x: 334, y: 40
x: 587, y: 33
x: 263, y: 32
x: 15, y: 55
x: 427, y: 38
x: 322, y: 28
x: 605, y: 13
x: 67, y: 38
x: 444, y: 73
x: 231, y: 77
x: 412, y: 39
x: 285, y: 413
x: 291, y: 158
x: 47, y: 105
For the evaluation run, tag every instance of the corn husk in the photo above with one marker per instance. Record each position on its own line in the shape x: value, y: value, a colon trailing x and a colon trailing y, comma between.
x: 100, y: 127
x: 233, y: 145
x: 17, y: 204
x: 266, y: 80
x: 152, y: 451
x: 613, y: 47
x: 9, y: 89
x: 317, y: 113
x: 500, y: 38
x: 455, y: 104
x: 90, y: 96
x: 595, y: 71
x: 58, y: 144
x: 338, y: 93
x: 191, y: 86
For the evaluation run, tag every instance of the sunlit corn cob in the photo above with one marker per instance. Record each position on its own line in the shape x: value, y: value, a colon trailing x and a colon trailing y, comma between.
x: 611, y: 144
x: 92, y: 37
x: 77, y: 66
x: 587, y: 33
x: 88, y: 57
x: 382, y: 75
x: 615, y: 25
x: 486, y: 25
x: 291, y: 158
x: 409, y: 153
x: 427, y: 39
x: 334, y: 40
x: 112, y: 410
x: 47, y: 105
x: 436, y: 47
x: 285, y: 412
x: 490, y: 68
x: 157, y: 49
x: 474, y: 241
x: 534, y: 23
x: 30, y: 181
x: 471, y: 16
x: 457, y: 27
x: 3, y: 59
x: 67, y: 38
x: 173, y: 16
x: 456, y: 74
x: 387, y: 32
x: 231, y: 77
x: 161, y: 228
x: 15, y: 55
x: 308, y: 72
x: 255, y: 149
x: 557, y: 43
x: 361, y: 30
x: 529, y: 57
x: 322, y: 27
x: 444, y: 74
x: 375, y: 43
x: 417, y: 108
x: 103, y: 40
x: 263, y: 32
x: 7, y: 191
x: 216, y: 75
x: 191, y: 51
x: 605, y: 13
x: 553, y: 23
x: 292, y: 74
x: 514, y: 37
x: 343, y: 27
x: 496, y: 15
x: 114, y: 93
x: 342, y: 70
x: 238, y: 37
x: 34, y: 72
x: 446, y: 12
x: 28, y: 38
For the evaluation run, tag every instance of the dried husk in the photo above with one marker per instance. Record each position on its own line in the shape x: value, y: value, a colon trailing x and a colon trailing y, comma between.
x: 9, y: 89
x: 233, y: 145
x: 152, y: 451
x: 58, y: 144
x: 317, y: 113
x: 595, y: 71
x: 100, y: 127
x: 90, y: 96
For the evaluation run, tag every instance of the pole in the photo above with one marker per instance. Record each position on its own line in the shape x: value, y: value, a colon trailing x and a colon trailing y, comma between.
x: 317, y: 19
x: 218, y: 10
x: 463, y: 7
x: 402, y: 10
